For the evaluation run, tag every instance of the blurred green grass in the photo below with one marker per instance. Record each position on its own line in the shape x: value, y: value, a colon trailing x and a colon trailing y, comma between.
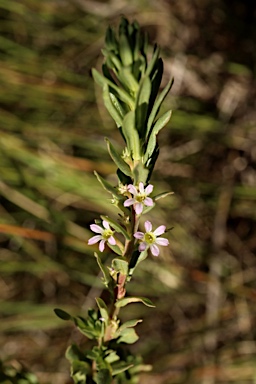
x: 52, y: 129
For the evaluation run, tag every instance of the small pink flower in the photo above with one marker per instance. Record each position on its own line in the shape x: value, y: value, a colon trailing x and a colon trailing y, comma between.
x: 150, y: 239
x: 106, y: 235
x: 140, y: 197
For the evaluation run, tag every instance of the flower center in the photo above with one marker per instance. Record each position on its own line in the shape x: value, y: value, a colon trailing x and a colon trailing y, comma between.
x: 149, y: 238
x: 107, y: 233
x: 140, y: 197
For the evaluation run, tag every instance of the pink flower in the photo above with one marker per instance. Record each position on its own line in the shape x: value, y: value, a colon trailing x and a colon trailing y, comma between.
x: 140, y: 197
x: 106, y: 235
x: 150, y: 239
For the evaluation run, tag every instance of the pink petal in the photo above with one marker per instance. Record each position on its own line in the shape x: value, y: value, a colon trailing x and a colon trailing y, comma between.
x: 160, y: 230
x: 96, y: 228
x: 142, y: 247
x: 139, y: 235
x: 111, y: 240
x: 148, y: 226
x: 105, y: 224
x: 149, y: 189
x: 138, y: 208
x: 141, y: 187
x: 154, y: 249
x: 162, y: 241
x: 102, y: 245
x: 148, y: 202
x: 129, y: 202
x: 132, y: 189
x: 94, y: 239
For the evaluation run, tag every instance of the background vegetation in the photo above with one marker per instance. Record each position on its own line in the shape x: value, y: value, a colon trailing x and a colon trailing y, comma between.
x: 53, y: 123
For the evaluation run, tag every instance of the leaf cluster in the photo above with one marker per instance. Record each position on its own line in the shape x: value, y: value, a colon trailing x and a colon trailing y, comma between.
x: 131, y: 79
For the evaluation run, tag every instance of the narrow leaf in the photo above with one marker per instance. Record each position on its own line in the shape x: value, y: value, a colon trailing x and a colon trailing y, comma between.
x: 107, y: 186
x: 160, y: 123
x: 116, y: 249
x: 62, y: 314
x: 121, y: 164
x: 104, y: 270
x: 103, y: 309
x: 120, y: 367
x: 114, y: 113
x: 117, y: 227
x: 153, y: 61
x: 128, y: 300
x: 162, y: 195
x: 141, y: 108
x: 123, y: 95
x: 157, y: 105
x: 125, y: 49
x: 131, y: 135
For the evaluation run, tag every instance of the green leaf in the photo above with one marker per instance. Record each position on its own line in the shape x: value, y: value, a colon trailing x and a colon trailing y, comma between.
x: 140, y: 173
x: 128, y: 300
x: 137, y: 257
x: 160, y: 123
x: 131, y: 135
x: 107, y: 186
x: 156, y: 80
x: 127, y: 324
x: 116, y: 249
x: 103, y: 309
x: 121, y: 164
x: 153, y: 61
x: 112, y: 357
x: 117, y: 227
x: 110, y: 40
x: 162, y: 195
x: 123, y: 95
x: 120, y: 107
x: 62, y: 314
x: 114, y: 113
x: 104, y: 376
x: 121, y: 266
x: 141, y: 107
x: 157, y: 105
x: 89, y: 330
x: 112, y: 60
x: 125, y: 50
x: 120, y: 367
x: 106, y: 275
x: 73, y: 353
x: 127, y: 79
x: 128, y: 336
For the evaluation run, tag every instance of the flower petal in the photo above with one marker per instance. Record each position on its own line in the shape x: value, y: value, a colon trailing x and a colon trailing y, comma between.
x: 94, y: 239
x: 105, y: 224
x: 129, y: 202
x: 160, y: 230
x: 141, y: 187
x: 148, y: 226
x: 142, y: 246
x: 111, y: 240
x: 139, y: 235
x: 148, y: 202
x: 162, y: 241
x: 96, y: 228
x: 149, y: 189
x: 138, y: 208
x: 154, y: 249
x: 102, y: 245
x: 132, y: 189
